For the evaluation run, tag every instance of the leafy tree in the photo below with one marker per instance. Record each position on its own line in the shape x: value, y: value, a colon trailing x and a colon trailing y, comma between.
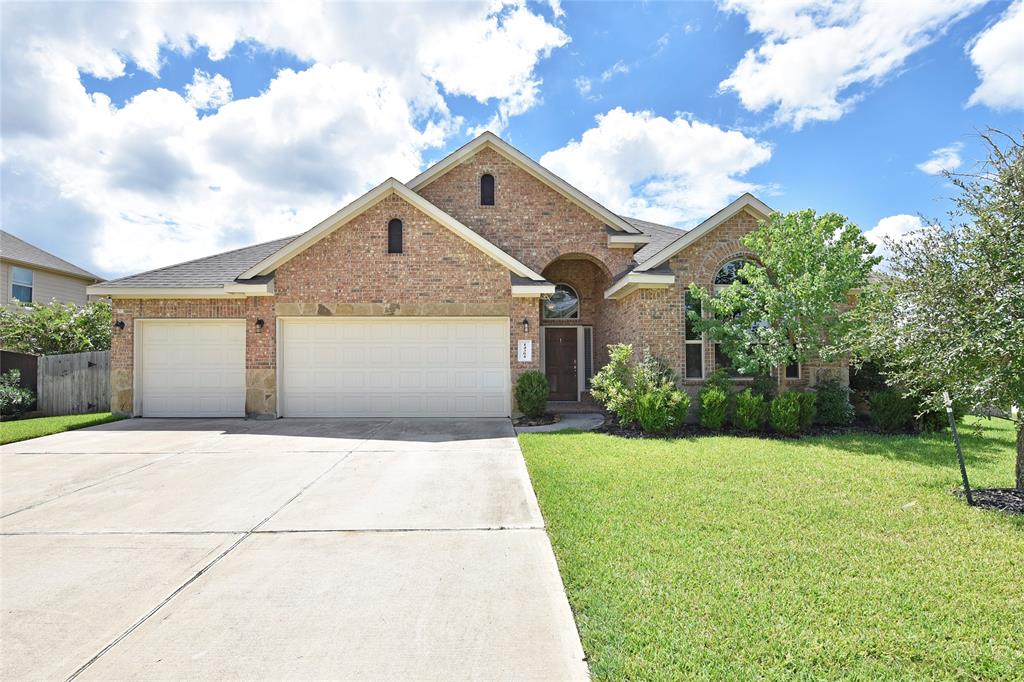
x: 791, y: 305
x: 951, y: 315
x: 51, y: 328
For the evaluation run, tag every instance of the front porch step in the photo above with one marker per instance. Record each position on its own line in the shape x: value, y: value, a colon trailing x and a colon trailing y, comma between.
x: 585, y: 404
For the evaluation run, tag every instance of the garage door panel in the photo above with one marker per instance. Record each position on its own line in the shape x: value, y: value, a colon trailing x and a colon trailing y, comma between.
x: 395, y: 367
x: 193, y: 368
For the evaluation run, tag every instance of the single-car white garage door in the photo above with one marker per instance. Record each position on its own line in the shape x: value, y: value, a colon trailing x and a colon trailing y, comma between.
x: 394, y: 367
x: 192, y: 368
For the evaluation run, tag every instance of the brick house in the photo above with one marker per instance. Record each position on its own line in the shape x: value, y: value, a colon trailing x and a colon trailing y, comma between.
x: 426, y: 298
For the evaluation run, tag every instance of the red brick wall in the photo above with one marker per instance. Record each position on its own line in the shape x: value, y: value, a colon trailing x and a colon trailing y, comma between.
x: 528, y: 220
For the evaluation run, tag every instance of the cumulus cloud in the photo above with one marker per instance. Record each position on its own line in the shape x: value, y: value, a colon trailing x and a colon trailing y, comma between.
x: 208, y: 92
x: 942, y: 159
x: 998, y: 55
x: 817, y: 57
x: 169, y: 175
x: 894, y: 228
x: 674, y: 171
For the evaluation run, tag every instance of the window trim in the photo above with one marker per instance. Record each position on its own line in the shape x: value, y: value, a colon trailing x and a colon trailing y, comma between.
x: 400, y: 236
x: 492, y: 188
x: 579, y: 305
x: 30, y: 285
x: 693, y: 342
x: 799, y: 372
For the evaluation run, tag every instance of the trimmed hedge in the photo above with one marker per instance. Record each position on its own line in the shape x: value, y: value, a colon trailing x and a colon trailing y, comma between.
x: 785, y: 413
x: 833, y: 403
x: 751, y: 410
x: 532, y: 391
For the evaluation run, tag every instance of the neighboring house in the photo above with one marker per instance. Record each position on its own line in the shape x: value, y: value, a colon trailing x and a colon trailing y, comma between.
x: 32, y: 275
x: 416, y: 300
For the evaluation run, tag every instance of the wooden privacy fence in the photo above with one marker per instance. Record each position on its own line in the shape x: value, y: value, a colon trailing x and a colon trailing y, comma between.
x: 75, y: 383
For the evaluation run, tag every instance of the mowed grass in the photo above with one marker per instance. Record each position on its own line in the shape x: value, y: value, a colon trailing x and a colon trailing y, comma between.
x: 23, y: 429
x: 821, y: 558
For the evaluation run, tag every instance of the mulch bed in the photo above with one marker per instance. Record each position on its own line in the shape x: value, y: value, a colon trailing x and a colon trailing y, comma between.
x: 613, y: 428
x: 543, y: 420
x: 1009, y: 500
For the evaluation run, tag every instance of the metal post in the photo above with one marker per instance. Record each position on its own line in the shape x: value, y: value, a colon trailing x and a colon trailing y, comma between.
x: 959, y: 450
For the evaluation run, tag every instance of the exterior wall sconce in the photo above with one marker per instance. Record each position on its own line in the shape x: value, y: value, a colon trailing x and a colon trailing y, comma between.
x: 526, y: 326
x: 119, y: 324
x: 259, y: 324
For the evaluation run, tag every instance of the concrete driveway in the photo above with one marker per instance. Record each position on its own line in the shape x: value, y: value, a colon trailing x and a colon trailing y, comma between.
x: 328, y: 549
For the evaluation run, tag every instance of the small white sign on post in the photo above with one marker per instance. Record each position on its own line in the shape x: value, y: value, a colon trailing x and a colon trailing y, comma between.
x: 525, y: 350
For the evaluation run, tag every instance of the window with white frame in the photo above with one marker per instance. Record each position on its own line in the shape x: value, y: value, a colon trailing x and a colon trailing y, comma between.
x: 564, y: 304
x: 693, y: 340
x: 21, y: 284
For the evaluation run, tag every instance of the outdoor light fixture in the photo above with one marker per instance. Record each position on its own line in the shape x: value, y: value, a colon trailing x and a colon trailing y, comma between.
x: 260, y: 323
x: 119, y: 324
x: 526, y: 326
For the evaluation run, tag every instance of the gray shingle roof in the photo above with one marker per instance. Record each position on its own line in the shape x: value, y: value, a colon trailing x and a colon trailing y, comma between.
x: 212, y: 271
x: 661, y: 236
x: 13, y: 248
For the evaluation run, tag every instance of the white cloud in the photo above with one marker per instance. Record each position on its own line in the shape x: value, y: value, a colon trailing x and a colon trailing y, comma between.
x: 208, y: 92
x: 672, y: 171
x: 614, y: 70
x: 894, y: 228
x: 152, y: 182
x: 998, y: 55
x: 942, y: 159
x: 584, y: 85
x: 817, y: 57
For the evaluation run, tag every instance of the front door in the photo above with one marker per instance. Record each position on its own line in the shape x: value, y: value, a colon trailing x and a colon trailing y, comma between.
x: 560, y: 362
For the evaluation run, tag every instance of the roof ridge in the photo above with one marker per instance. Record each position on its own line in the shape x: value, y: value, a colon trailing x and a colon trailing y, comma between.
x: 202, y: 258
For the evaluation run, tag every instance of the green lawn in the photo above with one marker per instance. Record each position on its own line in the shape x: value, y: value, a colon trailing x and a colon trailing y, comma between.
x: 821, y: 558
x: 23, y: 429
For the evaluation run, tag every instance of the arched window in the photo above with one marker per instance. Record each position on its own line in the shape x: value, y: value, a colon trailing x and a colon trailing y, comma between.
x: 729, y: 273
x: 395, y: 236
x: 564, y: 304
x: 487, y: 190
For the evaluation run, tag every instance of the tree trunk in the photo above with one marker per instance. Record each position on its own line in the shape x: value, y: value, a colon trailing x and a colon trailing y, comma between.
x: 1020, y: 451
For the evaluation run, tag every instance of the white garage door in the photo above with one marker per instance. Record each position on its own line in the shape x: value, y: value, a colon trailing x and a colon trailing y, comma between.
x: 412, y: 367
x: 193, y: 368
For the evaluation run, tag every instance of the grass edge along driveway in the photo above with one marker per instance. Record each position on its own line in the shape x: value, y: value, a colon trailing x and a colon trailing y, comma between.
x: 24, y: 429
x: 740, y: 558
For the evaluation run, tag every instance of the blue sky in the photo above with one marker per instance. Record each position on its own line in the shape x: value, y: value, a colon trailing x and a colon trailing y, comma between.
x: 136, y: 138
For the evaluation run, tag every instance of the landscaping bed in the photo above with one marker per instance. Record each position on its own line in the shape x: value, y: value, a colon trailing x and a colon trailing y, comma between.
x: 693, y: 430
x: 541, y: 420
x: 823, y: 557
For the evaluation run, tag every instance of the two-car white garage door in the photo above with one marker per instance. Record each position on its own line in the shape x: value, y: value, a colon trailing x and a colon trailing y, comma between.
x: 397, y: 367
x: 331, y: 367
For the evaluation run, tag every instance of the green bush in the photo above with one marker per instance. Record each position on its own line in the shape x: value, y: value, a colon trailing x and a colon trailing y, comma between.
x: 833, y: 403
x: 661, y: 409
x: 785, y: 413
x: 714, y: 407
x: 764, y: 385
x: 751, y: 410
x: 14, y: 399
x: 808, y: 408
x: 532, y: 392
x: 642, y: 393
x: 890, y: 411
x: 52, y: 328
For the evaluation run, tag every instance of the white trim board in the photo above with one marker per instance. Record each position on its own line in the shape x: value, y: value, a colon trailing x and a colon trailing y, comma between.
x: 627, y: 284
x: 492, y: 141
x: 387, y: 188
x: 747, y: 202
x: 229, y: 290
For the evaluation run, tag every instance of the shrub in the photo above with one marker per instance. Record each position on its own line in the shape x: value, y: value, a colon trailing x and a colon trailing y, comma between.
x: 751, y: 410
x: 785, y: 413
x: 51, y: 328
x: 764, y: 385
x: 808, y: 408
x: 890, y: 411
x: 532, y: 392
x: 833, y: 403
x: 14, y: 399
x: 642, y: 393
x: 714, y: 406
x: 662, y: 409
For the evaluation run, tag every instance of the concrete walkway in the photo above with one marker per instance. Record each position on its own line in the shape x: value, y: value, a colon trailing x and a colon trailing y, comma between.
x: 328, y: 549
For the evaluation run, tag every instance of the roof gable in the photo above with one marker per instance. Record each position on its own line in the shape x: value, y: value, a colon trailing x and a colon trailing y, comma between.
x: 746, y: 202
x: 371, y: 198
x: 16, y: 249
x: 489, y: 140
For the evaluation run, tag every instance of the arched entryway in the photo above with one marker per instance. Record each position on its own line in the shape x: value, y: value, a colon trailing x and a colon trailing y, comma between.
x: 573, y: 328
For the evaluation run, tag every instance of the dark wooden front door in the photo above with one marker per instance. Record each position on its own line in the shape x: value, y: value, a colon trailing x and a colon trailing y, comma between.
x: 560, y: 362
